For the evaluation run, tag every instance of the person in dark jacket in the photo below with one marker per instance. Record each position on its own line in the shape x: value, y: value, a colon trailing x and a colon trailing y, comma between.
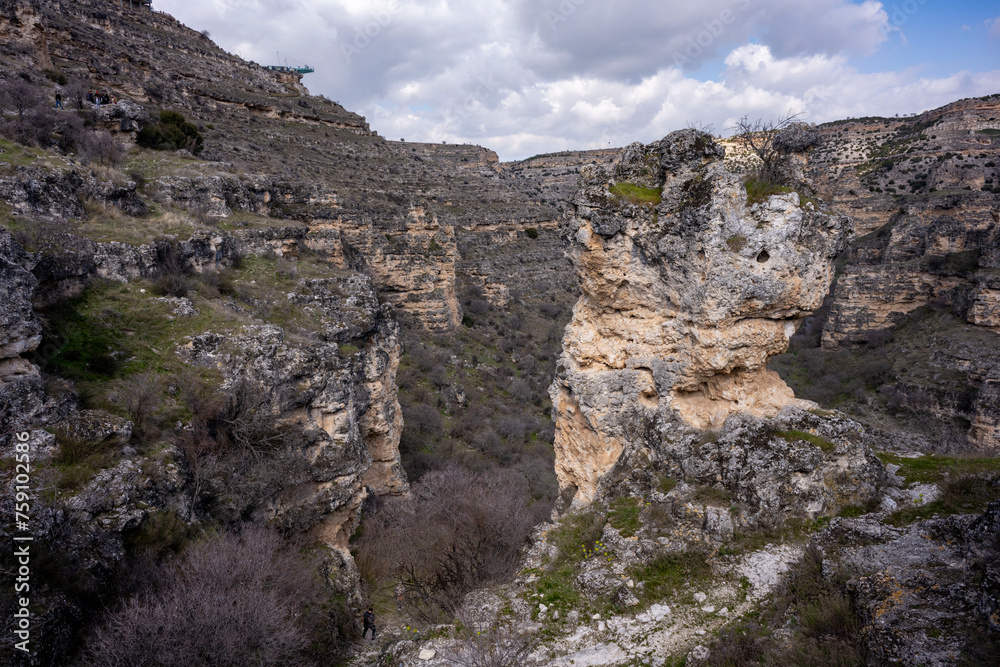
x: 369, y: 619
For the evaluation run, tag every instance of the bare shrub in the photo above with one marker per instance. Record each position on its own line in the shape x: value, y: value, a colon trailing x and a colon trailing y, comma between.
x: 496, y: 644
x: 102, y: 148
x: 20, y: 96
x: 759, y: 137
x: 139, y: 395
x: 458, y: 530
x: 236, y: 600
x: 248, y: 419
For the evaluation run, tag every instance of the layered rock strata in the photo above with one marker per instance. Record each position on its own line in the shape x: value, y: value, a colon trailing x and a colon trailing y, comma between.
x: 687, y: 290
x: 922, y: 278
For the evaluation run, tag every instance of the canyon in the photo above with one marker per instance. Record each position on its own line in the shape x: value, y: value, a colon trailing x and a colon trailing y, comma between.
x: 748, y: 389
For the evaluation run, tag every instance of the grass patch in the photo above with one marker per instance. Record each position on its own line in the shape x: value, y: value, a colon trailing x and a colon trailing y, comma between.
x: 77, y: 461
x: 736, y: 242
x: 932, y: 468
x: 636, y: 194
x: 965, y: 495
x: 115, y: 329
x: 556, y: 590
x: 793, y: 435
x: 624, y: 515
x: 759, y: 190
x: 712, y: 495
x: 666, y: 485
x: 667, y: 574
x: 576, y: 535
x: 990, y: 131
x: 825, y: 630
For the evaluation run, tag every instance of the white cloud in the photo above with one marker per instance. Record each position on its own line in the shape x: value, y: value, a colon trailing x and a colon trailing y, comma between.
x: 995, y: 29
x: 526, y: 76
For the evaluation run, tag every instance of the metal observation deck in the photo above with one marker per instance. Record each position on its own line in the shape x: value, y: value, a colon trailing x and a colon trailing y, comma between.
x: 304, y: 69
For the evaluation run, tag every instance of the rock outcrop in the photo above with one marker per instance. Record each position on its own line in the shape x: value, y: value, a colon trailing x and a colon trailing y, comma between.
x: 340, y: 391
x: 21, y: 396
x: 926, y: 593
x: 920, y: 282
x: 688, y: 289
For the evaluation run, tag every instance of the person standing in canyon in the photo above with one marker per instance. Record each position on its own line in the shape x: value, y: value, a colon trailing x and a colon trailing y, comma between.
x: 369, y: 621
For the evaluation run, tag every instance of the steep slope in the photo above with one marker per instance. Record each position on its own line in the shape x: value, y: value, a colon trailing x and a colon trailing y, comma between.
x: 918, y: 289
x: 398, y: 205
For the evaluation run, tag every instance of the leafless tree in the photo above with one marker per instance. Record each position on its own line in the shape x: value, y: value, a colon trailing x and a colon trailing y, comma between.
x: 249, y: 419
x: 139, y: 395
x: 19, y: 95
x: 102, y: 148
x: 759, y: 138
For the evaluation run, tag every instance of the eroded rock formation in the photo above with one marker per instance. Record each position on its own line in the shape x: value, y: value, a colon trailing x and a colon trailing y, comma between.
x: 687, y: 290
x: 340, y: 390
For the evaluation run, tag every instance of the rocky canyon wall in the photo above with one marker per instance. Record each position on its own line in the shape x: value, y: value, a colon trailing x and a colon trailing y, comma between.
x: 687, y: 290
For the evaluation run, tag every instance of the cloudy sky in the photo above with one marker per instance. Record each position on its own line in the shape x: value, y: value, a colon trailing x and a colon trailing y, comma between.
x: 531, y: 76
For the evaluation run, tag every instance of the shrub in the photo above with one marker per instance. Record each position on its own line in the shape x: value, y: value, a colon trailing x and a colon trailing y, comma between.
x: 458, y: 531
x: 139, y: 396
x: 173, y: 132
x: 793, y: 435
x: 531, y: 232
x: 498, y: 644
x: 102, y: 148
x: 235, y: 600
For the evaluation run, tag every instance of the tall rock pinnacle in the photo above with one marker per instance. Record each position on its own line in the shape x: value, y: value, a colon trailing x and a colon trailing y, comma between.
x: 687, y: 290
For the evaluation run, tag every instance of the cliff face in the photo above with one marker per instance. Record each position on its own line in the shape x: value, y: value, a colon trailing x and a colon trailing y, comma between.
x: 20, y: 332
x: 343, y: 397
x: 274, y: 150
x: 923, y: 273
x: 687, y: 289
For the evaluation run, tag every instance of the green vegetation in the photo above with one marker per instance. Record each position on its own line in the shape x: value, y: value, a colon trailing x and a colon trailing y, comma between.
x: 667, y: 574
x: 556, y: 590
x: 736, y: 242
x: 666, y: 485
x: 712, y: 495
x: 173, y: 132
x: 792, y: 435
x: 964, y: 495
x: 990, y: 131
x: 932, y: 468
x: 824, y: 630
x: 636, y: 194
x: 759, y: 190
x: 576, y: 535
x: 531, y: 232
x: 967, y: 484
x: 77, y: 461
x: 624, y: 515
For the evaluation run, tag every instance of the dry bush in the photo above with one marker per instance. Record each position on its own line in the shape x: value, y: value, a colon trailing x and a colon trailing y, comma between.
x: 459, y: 530
x: 243, y: 599
x: 139, y: 395
x: 102, y: 148
x: 759, y: 138
x: 495, y: 644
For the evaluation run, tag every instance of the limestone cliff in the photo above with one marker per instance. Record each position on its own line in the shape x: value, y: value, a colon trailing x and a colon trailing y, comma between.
x: 687, y: 290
